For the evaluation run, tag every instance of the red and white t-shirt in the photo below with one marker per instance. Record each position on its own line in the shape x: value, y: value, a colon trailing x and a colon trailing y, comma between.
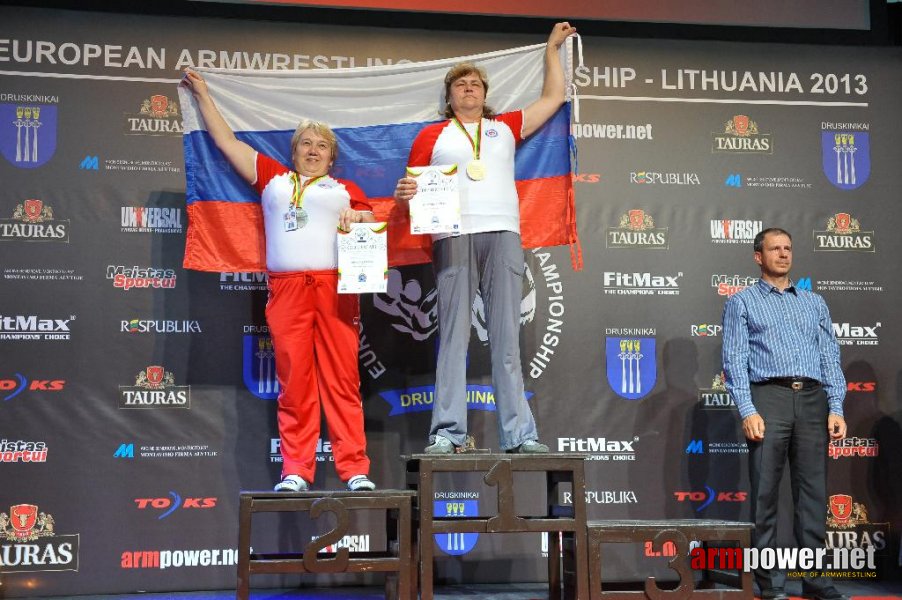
x: 314, y: 246
x: 490, y: 204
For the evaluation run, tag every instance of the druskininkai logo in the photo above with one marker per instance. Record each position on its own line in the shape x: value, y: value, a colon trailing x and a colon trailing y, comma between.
x: 631, y: 366
x: 259, y: 367
x: 457, y: 543
x: 28, y: 133
x: 846, y: 157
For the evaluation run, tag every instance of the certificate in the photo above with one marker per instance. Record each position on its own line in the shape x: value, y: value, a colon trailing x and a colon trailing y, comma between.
x: 363, y: 259
x: 436, y: 206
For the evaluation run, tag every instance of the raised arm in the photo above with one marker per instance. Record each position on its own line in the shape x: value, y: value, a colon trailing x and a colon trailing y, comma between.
x: 553, y: 93
x: 241, y: 156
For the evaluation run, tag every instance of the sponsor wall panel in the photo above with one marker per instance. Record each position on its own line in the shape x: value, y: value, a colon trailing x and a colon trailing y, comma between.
x: 145, y: 392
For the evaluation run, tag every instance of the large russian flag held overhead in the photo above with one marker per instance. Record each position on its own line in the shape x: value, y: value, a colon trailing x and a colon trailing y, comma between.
x: 376, y: 112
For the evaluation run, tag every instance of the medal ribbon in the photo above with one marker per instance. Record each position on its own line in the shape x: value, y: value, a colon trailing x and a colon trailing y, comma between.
x: 297, y: 197
x: 475, y: 143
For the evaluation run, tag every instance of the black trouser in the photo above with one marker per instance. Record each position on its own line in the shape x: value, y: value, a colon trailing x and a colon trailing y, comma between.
x: 795, y: 426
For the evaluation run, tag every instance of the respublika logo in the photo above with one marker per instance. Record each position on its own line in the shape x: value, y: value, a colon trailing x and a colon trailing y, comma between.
x: 150, y: 219
x: 12, y: 387
x: 155, y: 388
x: 844, y: 234
x: 741, y: 136
x: 159, y: 326
x: 259, y: 363
x: 33, y: 544
x: 31, y: 327
x: 658, y: 178
x: 716, y: 397
x: 631, y: 361
x: 174, y: 502
x: 641, y: 284
x: 158, y: 115
x: 33, y: 221
x: 734, y: 231
x: 856, y: 335
x: 28, y: 129
x: 846, y: 154
x: 447, y: 505
x: 637, y: 230
x: 126, y: 278
x: 705, y: 330
x: 243, y: 282
x: 603, y: 497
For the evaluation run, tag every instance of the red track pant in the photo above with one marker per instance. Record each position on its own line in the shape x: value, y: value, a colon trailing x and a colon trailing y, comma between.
x: 316, y: 339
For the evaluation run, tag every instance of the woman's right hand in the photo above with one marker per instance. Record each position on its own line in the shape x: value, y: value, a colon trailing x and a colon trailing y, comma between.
x: 405, y: 190
x: 195, y: 82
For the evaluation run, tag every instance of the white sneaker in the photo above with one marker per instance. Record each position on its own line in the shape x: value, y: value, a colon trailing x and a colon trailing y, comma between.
x: 360, y: 483
x: 292, y: 483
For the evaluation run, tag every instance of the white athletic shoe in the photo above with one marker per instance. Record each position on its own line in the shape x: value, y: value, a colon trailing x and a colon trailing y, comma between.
x: 292, y: 483
x: 360, y: 483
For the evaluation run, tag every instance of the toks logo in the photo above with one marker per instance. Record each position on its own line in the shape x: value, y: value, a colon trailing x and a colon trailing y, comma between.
x: 34, y: 546
x: 33, y: 221
x: 10, y: 388
x: 174, y: 502
x: 709, y: 496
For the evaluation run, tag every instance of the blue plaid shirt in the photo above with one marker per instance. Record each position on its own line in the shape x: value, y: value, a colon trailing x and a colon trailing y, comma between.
x: 768, y: 333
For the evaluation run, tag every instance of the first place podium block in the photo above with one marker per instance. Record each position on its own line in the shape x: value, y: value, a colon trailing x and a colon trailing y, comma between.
x: 398, y: 561
x: 562, y: 522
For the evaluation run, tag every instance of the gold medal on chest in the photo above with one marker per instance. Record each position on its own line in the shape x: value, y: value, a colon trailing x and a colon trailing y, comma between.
x: 476, y: 170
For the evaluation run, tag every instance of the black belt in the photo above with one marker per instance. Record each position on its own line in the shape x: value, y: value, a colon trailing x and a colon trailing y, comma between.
x: 793, y: 383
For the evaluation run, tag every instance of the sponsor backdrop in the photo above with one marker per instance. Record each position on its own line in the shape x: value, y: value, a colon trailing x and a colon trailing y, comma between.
x: 137, y: 398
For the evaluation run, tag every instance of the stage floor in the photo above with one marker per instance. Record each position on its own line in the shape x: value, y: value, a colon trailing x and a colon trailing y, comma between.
x: 856, y: 590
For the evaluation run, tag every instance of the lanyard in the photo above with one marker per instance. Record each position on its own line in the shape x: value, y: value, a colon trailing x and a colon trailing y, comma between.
x: 474, y: 143
x: 297, y: 197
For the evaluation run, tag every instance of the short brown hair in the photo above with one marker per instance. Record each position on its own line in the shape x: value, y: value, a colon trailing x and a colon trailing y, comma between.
x: 456, y: 72
x: 319, y: 128
x: 759, y: 239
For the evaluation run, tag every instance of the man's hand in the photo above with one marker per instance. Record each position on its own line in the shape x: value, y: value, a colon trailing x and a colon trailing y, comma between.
x: 753, y: 426
x: 559, y: 34
x: 405, y: 190
x: 348, y: 216
x: 836, y: 427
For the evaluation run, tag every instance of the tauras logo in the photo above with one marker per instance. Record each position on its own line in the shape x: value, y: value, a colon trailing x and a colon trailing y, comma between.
x: 856, y: 335
x: 716, y: 397
x: 741, y: 135
x: 33, y: 221
x: 155, y: 388
x: 34, y: 544
x: 844, y: 233
x: 637, y: 229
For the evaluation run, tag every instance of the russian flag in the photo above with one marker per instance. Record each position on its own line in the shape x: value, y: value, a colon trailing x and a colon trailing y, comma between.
x: 376, y: 112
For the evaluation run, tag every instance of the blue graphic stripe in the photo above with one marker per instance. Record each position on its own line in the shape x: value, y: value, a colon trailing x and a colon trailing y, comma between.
x: 373, y: 157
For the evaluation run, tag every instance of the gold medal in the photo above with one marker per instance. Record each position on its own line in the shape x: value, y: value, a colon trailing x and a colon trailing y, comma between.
x: 476, y: 170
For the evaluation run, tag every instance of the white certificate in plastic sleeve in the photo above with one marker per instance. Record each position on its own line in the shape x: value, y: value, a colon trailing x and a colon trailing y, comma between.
x: 363, y: 259
x: 436, y: 206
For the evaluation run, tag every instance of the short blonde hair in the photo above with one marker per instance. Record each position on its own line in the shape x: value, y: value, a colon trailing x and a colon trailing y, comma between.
x: 319, y: 128
x: 456, y: 72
